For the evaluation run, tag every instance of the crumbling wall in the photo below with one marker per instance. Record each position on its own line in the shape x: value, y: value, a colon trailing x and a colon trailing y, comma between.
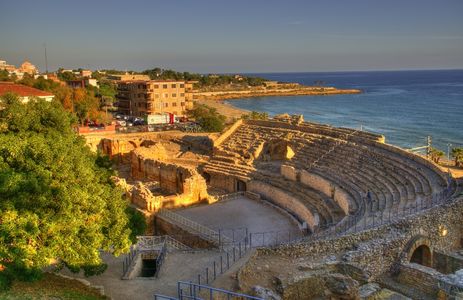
x: 181, y: 185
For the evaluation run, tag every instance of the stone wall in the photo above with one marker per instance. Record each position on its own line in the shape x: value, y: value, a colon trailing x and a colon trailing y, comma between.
x: 185, y: 183
x: 322, y: 185
x: 330, y: 189
x: 162, y: 227
x: 447, y: 263
x: 286, y: 201
x: 377, y: 251
x: 227, y: 183
x: 420, y: 278
x: 228, y: 132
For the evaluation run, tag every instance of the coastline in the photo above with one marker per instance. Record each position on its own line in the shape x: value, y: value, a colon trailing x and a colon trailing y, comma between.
x: 303, y: 91
x: 216, y: 99
x: 228, y: 110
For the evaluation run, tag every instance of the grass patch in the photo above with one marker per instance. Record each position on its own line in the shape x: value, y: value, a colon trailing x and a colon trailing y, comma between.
x: 51, y: 287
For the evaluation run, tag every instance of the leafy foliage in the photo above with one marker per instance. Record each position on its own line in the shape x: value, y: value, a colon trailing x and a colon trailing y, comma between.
x: 57, y: 202
x: 255, y: 115
x: 84, y: 102
x: 436, y: 155
x: 457, y: 154
x: 137, y: 223
x: 208, y: 118
x: 204, y: 80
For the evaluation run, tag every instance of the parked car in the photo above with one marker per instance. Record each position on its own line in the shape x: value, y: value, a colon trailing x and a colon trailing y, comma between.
x: 121, y: 123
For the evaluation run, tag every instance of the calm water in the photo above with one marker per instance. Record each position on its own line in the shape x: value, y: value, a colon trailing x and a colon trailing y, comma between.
x: 405, y: 106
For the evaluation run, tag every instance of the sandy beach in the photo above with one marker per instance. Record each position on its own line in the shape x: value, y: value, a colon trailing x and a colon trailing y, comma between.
x: 225, y: 109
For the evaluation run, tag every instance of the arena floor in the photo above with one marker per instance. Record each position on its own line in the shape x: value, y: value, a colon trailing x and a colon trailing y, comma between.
x: 232, y: 217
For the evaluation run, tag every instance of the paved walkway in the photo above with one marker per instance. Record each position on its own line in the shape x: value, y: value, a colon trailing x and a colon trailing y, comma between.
x: 234, y: 215
x: 177, y: 266
x: 230, y: 214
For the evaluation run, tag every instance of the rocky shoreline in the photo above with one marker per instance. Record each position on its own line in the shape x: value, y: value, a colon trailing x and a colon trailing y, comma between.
x: 216, y: 99
x: 307, y: 91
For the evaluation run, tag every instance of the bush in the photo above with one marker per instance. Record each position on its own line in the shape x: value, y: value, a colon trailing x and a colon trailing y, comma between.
x: 92, y: 270
x: 137, y: 223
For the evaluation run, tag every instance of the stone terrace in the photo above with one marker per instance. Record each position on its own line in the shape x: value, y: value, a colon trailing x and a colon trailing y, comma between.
x: 333, y: 170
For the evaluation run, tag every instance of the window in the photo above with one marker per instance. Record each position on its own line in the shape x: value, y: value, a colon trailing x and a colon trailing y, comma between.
x: 182, y: 85
x: 166, y: 95
x: 164, y: 86
x: 174, y: 85
x: 156, y: 95
x: 156, y: 86
x: 182, y: 103
x: 174, y: 95
x: 166, y: 104
x: 182, y: 94
x: 174, y: 104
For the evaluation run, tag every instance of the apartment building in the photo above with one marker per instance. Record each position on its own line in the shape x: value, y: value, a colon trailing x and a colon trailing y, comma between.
x: 140, y: 98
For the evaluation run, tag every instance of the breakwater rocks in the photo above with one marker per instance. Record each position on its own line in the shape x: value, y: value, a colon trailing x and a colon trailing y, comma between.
x: 300, y: 91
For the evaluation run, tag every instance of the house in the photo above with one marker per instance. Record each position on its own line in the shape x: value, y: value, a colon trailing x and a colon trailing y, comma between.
x: 82, y: 83
x: 24, y: 92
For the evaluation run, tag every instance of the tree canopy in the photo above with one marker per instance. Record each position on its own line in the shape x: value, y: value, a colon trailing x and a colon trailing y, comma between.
x: 58, y: 202
x: 208, y: 118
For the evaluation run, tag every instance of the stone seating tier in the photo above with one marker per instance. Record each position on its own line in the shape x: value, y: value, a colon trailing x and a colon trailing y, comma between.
x: 355, y: 161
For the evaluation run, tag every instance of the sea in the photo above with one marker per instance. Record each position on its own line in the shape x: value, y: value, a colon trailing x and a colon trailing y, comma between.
x: 405, y: 106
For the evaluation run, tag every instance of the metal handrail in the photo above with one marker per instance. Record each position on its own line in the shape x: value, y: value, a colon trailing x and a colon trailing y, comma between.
x: 204, y: 231
x: 160, y: 259
x: 193, y: 290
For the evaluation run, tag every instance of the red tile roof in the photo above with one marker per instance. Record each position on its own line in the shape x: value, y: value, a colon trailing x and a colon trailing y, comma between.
x: 21, y: 90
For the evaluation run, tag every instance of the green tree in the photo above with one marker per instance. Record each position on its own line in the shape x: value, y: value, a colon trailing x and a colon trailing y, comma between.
x: 65, y: 76
x: 457, y: 154
x: 208, y: 118
x: 4, y: 75
x: 137, y: 223
x: 58, y: 202
x: 436, y: 155
x: 255, y: 115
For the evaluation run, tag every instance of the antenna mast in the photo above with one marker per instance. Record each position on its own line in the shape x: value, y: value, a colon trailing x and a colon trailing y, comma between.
x: 46, y: 59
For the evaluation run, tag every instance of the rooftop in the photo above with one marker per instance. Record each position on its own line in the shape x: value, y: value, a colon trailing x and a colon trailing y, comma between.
x: 21, y: 90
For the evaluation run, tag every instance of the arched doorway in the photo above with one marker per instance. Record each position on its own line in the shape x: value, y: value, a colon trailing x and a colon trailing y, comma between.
x: 422, y: 255
x: 240, y: 186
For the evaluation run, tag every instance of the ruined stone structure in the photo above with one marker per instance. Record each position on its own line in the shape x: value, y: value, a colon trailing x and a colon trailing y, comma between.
x: 378, y: 222
x: 339, y: 182
x: 176, y: 186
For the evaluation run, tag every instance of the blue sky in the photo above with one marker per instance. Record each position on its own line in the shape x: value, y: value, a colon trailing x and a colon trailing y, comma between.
x: 235, y: 36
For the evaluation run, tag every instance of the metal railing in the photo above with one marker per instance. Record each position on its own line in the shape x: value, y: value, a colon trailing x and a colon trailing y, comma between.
x: 229, y: 196
x: 127, y: 262
x: 189, y: 225
x: 160, y: 258
x: 193, y: 291
x: 375, y: 218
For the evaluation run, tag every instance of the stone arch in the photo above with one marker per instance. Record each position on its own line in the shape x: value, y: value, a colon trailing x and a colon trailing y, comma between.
x: 419, y: 250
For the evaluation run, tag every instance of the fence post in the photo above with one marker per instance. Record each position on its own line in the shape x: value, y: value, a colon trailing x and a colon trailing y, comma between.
x: 228, y: 261
x: 199, y: 282
x: 234, y: 256
x: 207, y: 275
x: 220, y: 240
x: 250, y: 240
x: 215, y: 275
x: 221, y: 263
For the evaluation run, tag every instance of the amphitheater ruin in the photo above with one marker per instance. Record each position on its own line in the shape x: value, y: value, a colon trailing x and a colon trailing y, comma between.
x: 285, y: 209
